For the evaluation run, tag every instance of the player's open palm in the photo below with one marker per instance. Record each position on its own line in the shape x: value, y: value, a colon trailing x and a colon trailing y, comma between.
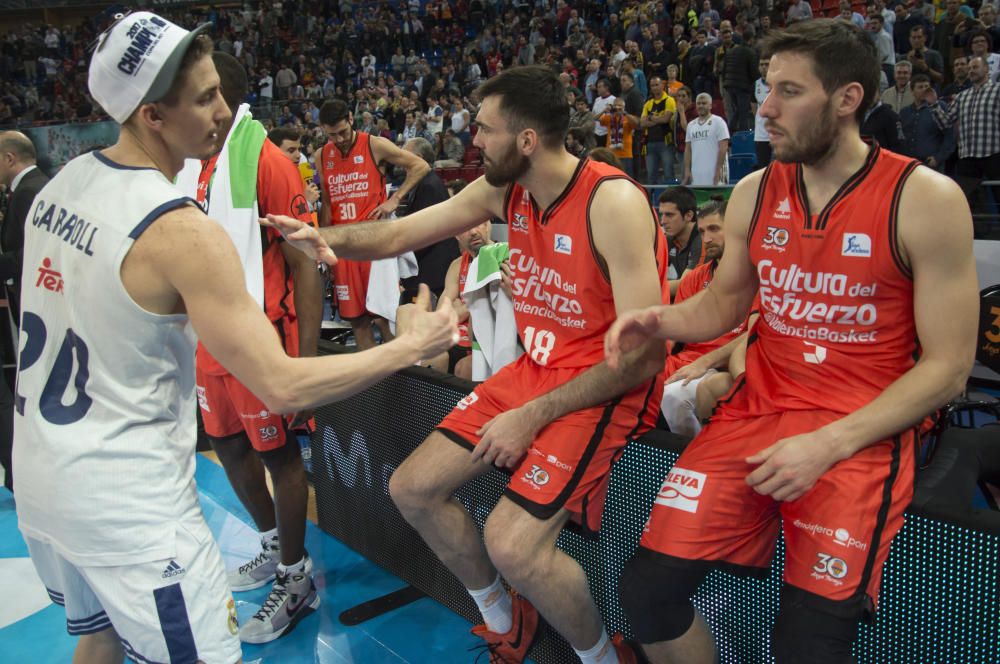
x: 434, y: 332
x: 302, y: 236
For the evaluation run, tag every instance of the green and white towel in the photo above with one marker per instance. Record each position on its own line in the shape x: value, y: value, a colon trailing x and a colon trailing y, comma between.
x: 232, y: 194
x: 491, y: 311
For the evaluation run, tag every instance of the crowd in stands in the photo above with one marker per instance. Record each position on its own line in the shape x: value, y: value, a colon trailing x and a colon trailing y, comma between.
x: 409, y: 68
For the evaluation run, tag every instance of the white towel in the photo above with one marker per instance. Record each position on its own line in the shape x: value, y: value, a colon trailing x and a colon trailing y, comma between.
x: 491, y: 311
x: 383, y: 285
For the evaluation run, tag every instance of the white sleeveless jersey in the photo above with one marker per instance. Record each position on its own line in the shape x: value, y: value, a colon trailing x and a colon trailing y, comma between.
x: 104, y: 424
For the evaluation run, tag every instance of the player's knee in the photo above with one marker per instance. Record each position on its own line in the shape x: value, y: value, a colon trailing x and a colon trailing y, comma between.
x: 515, y: 558
x: 811, y: 628
x: 657, y: 598
x: 405, y: 491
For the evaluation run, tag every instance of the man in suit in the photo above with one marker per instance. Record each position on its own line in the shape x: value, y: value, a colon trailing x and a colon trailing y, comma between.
x: 18, y: 170
x: 23, y: 179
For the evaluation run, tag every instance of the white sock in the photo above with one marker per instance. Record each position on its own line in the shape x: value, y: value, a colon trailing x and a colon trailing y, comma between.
x: 295, y: 568
x: 602, y: 653
x: 495, y: 605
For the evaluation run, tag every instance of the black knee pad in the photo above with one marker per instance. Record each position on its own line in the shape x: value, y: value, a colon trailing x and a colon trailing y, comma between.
x: 814, y: 629
x: 656, y: 596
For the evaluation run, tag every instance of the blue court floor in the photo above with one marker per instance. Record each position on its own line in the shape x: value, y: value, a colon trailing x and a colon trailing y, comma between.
x: 32, y: 629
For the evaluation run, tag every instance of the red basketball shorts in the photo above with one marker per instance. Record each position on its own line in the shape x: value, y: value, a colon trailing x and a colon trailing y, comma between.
x: 350, y: 284
x: 569, y: 463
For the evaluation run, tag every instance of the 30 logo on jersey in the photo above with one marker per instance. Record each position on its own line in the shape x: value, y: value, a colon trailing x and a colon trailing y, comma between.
x: 537, y: 477
x: 519, y: 223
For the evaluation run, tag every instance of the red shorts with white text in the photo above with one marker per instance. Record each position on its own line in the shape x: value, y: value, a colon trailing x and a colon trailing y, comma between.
x: 837, y: 535
x: 350, y: 284
x: 228, y: 408
x: 569, y: 463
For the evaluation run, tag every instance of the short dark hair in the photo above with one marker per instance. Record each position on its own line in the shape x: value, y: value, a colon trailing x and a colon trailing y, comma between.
x: 607, y: 156
x: 840, y: 51
x: 332, y: 112
x: 531, y: 97
x: 919, y: 78
x: 279, y: 135
x: 199, y: 48
x: 715, y: 205
x: 682, y: 197
x: 233, y: 78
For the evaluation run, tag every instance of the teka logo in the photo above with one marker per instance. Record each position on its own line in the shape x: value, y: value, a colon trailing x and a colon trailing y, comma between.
x: 681, y: 489
x: 537, y: 476
x: 520, y: 223
x: 784, y: 209
x: 358, y: 159
x: 818, y: 356
x: 48, y: 278
x: 563, y: 244
x: 856, y: 244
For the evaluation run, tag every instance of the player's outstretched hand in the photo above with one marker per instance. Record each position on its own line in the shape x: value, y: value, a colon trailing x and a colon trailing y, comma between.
x: 630, y: 331
x: 302, y: 236
x: 433, y: 332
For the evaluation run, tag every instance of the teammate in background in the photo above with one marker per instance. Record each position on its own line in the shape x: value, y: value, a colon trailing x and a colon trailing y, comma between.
x: 240, y: 427
x: 844, y: 241
x: 353, y: 190
x: 584, y: 244
x: 105, y: 427
x: 678, y: 209
x: 690, y: 365
x: 289, y: 141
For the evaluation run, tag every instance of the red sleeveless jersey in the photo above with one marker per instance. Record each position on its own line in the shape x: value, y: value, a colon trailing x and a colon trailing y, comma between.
x: 563, y: 303
x: 463, y: 274
x: 693, y: 283
x: 353, y: 181
x: 836, y: 299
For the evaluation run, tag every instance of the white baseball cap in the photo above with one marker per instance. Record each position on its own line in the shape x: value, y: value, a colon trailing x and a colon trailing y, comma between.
x: 136, y: 61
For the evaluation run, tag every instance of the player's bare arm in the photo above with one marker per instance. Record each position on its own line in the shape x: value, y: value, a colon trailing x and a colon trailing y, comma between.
x: 720, y: 307
x: 184, y: 263
x: 714, y: 359
x: 624, y: 233
x: 375, y: 240
x: 451, y: 291
x: 308, y: 297
x: 935, y: 235
x: 324, y: 193
x: 416, y: 168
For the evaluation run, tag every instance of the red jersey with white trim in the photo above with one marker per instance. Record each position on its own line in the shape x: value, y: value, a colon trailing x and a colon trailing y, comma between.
x: 279, y: 191
x: 563, y: 302
x: 353, y: 181
x: 837, y: 324
x: 464, y: 340
x: 691, y: 284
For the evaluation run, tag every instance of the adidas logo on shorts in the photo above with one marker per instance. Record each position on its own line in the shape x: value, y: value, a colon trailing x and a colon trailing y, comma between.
x: 173, y: 569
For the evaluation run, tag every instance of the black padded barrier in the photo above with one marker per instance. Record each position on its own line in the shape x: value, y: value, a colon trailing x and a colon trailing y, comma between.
x: 939, y: 599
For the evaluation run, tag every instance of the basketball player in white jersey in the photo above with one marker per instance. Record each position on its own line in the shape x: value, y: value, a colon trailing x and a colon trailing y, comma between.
x: 118, y: 263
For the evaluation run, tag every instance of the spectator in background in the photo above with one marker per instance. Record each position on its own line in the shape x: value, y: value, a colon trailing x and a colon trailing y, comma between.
x: 460, y: 120
x: 924, y: 139
x: 453, y: 150
x: 738, y: 71
x: 924, y: 60
x: 976, y: 111
x: 906, y: 19
x: 960, y: 66
x: 883, y: 42
x: 882, y: 124
x: 945, y: 31
x: 284, y: 80
x: 798, y: 11
x: 707, y: 140
x: 580, y: 116
x: 620, y: 128
x: 980, y: 46
x: 899, y: 96
x: 761, y: 139
x: 657, y: 116
x: 434, y: 259
x: 602, y: 103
